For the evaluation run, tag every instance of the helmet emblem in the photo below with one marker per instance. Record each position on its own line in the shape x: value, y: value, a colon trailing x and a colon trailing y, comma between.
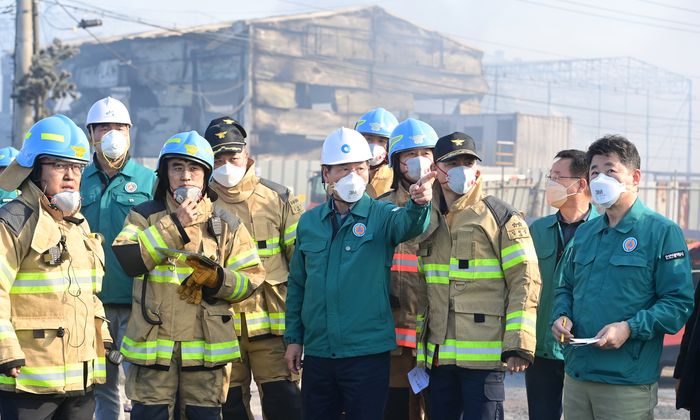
x: 221, y: 134
x: 345, y: 148
x: 191, y: 149
x: 79, y: 151
x: 418, y: 138
x: 375, y: 126
x: 458, y: 142
x: 228, y: 121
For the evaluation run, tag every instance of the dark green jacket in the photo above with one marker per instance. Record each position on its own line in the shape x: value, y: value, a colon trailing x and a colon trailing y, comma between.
x: 105, y: 205
x: 545, y: 236
x: 637, y: 271
x: 338, y: 289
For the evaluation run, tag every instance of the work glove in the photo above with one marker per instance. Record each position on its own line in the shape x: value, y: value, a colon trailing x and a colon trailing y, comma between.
x: 190, y: 291
x: 204, y: 274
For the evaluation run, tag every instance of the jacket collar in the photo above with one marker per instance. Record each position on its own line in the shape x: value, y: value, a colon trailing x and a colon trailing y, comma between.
x: 46, y: 232
x: 470, y: 198
x: 630, y: 218
x: 360, y: 209
x: 127, y: 170
x: 554, y: 218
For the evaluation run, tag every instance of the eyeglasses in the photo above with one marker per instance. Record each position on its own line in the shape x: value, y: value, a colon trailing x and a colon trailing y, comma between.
x: 75, y: 168
x: 556, y: 178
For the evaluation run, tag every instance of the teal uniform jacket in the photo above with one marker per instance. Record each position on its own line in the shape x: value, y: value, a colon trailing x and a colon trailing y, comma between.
x: 545, y: 235
x: 338, y: 289
x: 105, y: 205
x: 637, y: 271
x: 7, y: 196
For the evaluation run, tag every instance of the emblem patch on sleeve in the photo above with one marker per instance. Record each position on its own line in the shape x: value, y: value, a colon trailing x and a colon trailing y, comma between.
x: 297, y: 207
x: 674, y: 255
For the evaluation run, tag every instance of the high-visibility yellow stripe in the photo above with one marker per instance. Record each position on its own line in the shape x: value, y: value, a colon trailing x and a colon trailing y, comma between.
x: 245, y: 259
x: 151, y: 239
x: 47, y: 376
x: 129, y: 233
x: 210, y: 352
x: 513, y: 255
x: 169, y: 274
x: 147, y: 350
x: 7, y: 331
x: 290, y: 234
x: 7, y: 273
x: 521, y: 320
x: 241, y: 286
x: 470, y: 351
x: 488, y: 268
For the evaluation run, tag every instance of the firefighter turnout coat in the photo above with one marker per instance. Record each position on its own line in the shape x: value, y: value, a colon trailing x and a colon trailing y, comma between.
x: 483, y: 286
x: 51, y: 321
x: 159, y: 317
x: 270, y: 213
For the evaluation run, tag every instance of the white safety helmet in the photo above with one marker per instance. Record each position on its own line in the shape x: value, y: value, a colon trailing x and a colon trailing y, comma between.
x: 345, y: 145
x: 108, y: 110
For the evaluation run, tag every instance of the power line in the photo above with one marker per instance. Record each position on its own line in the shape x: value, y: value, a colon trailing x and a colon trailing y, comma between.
x: 628, y: 13
x: 613, y: 18
x: 394, y: 76
x: 668, y: 6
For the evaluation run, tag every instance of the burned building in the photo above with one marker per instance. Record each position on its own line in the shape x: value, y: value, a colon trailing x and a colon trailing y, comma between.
x: 291, y: 80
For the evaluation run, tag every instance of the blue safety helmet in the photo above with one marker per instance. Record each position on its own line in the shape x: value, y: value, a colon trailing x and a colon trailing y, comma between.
x: 56, y: 136
x: 188, y: 145
x: 7, y: 155
x: 378, y: 121
x: 411, y: 134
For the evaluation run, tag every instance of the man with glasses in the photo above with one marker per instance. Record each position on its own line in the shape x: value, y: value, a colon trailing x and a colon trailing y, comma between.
x: 112, y: 184
x: 52, y: 336
x: 566, y: 190
x: 625, y: 282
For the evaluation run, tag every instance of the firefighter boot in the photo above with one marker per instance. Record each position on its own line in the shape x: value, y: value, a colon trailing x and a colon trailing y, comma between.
x: 234, y: 409
x: 281, y: 400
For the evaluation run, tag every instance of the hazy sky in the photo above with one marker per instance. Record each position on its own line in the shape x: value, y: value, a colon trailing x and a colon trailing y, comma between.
x: 665, y: 33
x: 528, y: 29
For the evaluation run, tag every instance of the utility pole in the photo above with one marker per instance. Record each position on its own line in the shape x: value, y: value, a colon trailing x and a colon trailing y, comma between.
x: 24, y: 45
x: 35, y: 27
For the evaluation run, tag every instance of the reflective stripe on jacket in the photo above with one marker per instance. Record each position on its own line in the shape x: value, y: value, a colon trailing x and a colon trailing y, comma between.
x: 205, y: 331
x: 271, y: 216
x: 483, y: 286
x: 51, y: 321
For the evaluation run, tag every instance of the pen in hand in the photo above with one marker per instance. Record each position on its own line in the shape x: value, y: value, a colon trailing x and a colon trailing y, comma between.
x: 563, y: 324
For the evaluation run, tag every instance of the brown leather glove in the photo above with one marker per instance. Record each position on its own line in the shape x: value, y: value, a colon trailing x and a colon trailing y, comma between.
x: 190, y: 291
x: 203, y: 275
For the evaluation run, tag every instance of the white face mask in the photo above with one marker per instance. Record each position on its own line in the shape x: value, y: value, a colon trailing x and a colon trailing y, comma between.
x: 350, y: 188
x: 183, y: 193
x: 228, y: 175
x: 416, y: 167
x: 67, y: 202
x: 461, y: 179
x: 115, y: 144
x: 378, y: 154
x: 606, y: 190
